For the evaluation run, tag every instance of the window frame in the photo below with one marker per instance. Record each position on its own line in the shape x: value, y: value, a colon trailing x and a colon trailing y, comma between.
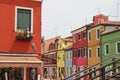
x: 97, y: 51
x: 108, y: 48
x: 97, y: 34
x: 80, y: 54
x: 85, y: 51
x: 89, y: 53
x: 84, y: 35
x: 89, y: 36
x: 25, y: 8
x: 79, y: 36
x: 117, y: 47
x: 74, y: 38
x: 74, y: 53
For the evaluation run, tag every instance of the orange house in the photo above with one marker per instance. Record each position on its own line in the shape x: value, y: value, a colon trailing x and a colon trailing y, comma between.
x: 20, y: 42
x: 94, y: 39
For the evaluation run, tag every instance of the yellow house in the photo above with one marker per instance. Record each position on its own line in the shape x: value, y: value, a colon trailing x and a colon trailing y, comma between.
x: 62, y: 44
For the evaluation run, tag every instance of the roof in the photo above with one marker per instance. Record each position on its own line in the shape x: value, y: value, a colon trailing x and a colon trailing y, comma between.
x: 87, y: 25
x: 69, y: 47
x: 107, y: 23
x: 65, y: 39
x: 48, y: 42
x: 111, y: 31
x: 111, y: 23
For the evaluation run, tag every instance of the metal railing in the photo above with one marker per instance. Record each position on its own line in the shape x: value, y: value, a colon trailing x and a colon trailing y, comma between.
x: 104, y: 70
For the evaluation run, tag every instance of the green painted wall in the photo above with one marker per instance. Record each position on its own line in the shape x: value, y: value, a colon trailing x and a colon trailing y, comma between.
x: 110, y: 39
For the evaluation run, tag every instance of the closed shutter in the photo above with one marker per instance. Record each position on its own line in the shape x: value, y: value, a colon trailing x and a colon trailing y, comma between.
x: 23, y: 19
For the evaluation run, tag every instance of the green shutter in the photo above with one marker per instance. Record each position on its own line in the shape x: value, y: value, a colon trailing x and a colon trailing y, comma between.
x: 20, y: 20
x: 23, y: 19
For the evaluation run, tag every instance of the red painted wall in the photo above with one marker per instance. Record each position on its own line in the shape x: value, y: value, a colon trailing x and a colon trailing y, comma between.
x: 80, y: 61
x: 100, y: 16
x: 8, y: 42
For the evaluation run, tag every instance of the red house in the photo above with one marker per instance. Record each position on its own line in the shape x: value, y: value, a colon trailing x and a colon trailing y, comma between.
x: 20, y: 42
x: 79, y: 49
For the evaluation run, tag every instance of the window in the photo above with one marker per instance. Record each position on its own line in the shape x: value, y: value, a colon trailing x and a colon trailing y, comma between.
x: 94, y: 71
x: 51, y: 46
x: 78, y: 68
x: 118, y: 47
x: 74, y: 53
x: 56, y: 45
x: 79, y: 53
x: 54, y: 71
x: 79, y: 36
x: 84, y: 35
x: 67, y: 70
x: 65, y: 43
x: 85, y: 70
x: 70, y: 55
x: 60, y: 45
x: 89, y: 37
x: 74, y: 38
x: 100, y: 21
x: 98, y: 34
x: 66, y: 55
x: 107, y: 49
x: 24, y: 19
x: 84, y: 51
x: 98, y: 52
x: 90, y: 53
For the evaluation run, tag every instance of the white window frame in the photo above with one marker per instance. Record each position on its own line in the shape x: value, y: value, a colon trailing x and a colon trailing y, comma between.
x: 74, y: 38
x: 117, y: 48
x: 80, y: 52
x: 105, y: 48
x: 26, y: 8
x: 97, y: 51
x: 89, y: 53
x: 97, y: 34
x: 85, y: 53
x: 85, y: 34
x: 89, y: 37
x: 80, y: 36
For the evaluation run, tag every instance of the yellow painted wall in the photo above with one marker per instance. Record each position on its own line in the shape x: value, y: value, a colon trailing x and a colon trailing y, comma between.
x: 93, y: 44
x: 60, y: 52
x: 61, y: 57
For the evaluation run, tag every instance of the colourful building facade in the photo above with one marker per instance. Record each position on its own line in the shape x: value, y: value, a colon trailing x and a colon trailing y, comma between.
x: 50, y: 58
x: 68, y: 61
x: 110, y: 44
x: 20, y: 43
x: 110, y: 47
x: 94, y: 39
x: 62, y: 44
x: 79, y: 49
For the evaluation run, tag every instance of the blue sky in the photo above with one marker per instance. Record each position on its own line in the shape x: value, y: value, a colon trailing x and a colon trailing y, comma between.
x: 60, y: 17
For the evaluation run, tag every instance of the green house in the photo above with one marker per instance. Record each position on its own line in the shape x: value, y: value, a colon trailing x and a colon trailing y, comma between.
x: 110, y: 45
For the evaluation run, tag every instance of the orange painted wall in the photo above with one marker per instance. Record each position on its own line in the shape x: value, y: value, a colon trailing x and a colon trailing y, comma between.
x: 8, y: 42
x: 93, y: 44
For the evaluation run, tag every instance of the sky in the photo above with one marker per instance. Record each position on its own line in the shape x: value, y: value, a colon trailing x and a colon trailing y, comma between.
x: 60, y: 17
